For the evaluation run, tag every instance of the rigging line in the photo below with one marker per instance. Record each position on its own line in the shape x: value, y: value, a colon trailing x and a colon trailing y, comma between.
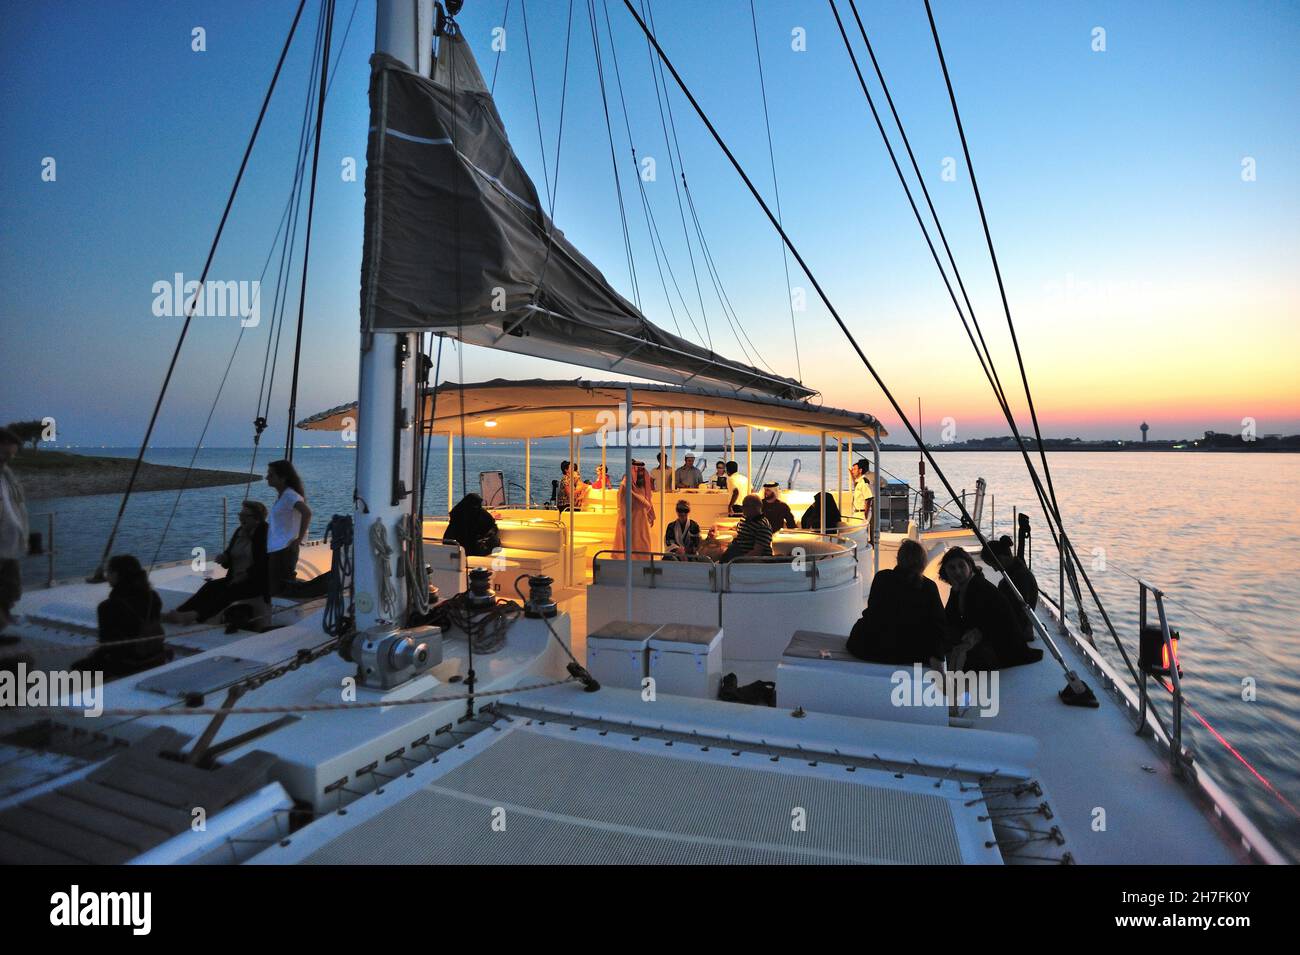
x: 505, y: 21
x: 537, y: 109
x: 925, y: 191
x: 613, y: 158
x: 776, y: 188
x: 720, y: 290
x: 646, y: 212
x: 306, y: 246
x: 734, y: 322
x: 189, y: 316
x: 189, y: 469
x: 454, y: 30
x: 993, y: 256
x: 839, y: 321
x: 433, y: 416
x: 990, y: 372
x: 559, y: 142
x: 272, y: 353
x: 656, y: 76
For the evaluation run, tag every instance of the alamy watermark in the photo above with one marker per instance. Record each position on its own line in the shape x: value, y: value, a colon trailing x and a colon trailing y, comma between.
x: 241, y: 299
x: 83, y: 689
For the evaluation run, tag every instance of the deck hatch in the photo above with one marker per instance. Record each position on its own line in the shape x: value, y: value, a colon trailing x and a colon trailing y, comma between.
x: 202, y: 676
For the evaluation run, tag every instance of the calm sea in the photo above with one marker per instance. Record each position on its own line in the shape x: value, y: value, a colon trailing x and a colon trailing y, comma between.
x: 1217, y: 531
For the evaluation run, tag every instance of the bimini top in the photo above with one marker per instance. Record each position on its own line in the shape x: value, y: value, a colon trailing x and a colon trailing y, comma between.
x: 538, y: 408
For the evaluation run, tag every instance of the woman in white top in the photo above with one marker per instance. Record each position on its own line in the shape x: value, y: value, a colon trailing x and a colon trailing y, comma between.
x: 287, y: 524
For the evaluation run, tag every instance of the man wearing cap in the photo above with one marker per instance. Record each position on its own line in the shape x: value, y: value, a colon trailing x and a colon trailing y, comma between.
x: 862, y: 494
x: 688, y: 476
x: 776, y: 512
x: 682, y: 536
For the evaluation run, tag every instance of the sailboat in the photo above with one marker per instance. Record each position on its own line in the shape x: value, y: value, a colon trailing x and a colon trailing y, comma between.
x: 558, y: 700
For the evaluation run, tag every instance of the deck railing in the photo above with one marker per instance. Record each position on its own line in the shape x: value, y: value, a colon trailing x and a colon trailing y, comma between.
x: 1176, y: 755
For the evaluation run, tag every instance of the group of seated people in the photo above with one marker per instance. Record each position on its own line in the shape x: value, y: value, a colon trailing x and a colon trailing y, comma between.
x: 260, y: 559
x: 982, y: 627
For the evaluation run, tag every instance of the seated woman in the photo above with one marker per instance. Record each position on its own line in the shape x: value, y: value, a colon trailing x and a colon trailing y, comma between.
x: 983, y: 633
x: 904, y: 621
x: 1023, y: 596
x: 246, y: 576
x: 682, y: 536
x: 812, y: 518
x: 131, y: 611
x: 472, y: 527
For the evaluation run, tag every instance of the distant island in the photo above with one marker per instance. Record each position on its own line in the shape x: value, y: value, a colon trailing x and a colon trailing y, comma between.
x: 1210, y: 441
x: 63, y: 474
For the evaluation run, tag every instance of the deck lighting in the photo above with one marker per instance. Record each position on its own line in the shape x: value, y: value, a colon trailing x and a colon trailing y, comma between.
x: 1153, y: 655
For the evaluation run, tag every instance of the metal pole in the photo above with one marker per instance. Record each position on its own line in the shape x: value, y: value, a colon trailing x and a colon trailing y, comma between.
x: 528, y: 473
x: 839, y: 476
x: 749, y: 454
x: 1176, y: 745
x: 821, y: 517
x: 627, y: 496
x: 451, y: 474
x: 663, y: 461
x: 49, y: 574
x: 572, y: 478
x: 1060, y: 567
x: 875, y: 505
x: 224, y: 522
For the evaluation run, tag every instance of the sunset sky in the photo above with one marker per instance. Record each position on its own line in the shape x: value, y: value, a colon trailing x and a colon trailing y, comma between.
x: 1148, y: 278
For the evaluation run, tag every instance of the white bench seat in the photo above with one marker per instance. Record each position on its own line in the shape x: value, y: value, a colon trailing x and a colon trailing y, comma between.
x: 817, y: 673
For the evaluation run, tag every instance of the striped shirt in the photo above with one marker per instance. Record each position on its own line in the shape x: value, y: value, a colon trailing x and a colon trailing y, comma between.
x: 750, y: 533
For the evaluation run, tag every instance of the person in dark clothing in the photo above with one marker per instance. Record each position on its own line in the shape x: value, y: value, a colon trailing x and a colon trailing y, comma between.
x: 472, y: 527
x: 983, y: 633
x: 246, y: 575
x: 776, y: 511
x: 132, y: 610
x: 682, y: 536
x: 812, y: 520
x: 1023, y: 597
x: 904, y: 619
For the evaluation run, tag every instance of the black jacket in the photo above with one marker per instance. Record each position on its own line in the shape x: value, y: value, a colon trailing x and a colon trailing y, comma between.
x: 126, y: 615
x: 981, y: 606
x: 257, y: 573
x: 474, y: 529
x: 903, y: 622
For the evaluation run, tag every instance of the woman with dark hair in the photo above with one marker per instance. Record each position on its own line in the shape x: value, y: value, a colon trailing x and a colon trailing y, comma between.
x: 246, y: 576
x: 131, y: 611
x: 472, y: 527
x: 983, y: 633
x: 904, y: 621
x: 812, y: 518
x: 287, y: 525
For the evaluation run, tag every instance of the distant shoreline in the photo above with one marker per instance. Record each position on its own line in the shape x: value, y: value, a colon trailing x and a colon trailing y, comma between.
x: 46, y: 474
x: 830, y: 449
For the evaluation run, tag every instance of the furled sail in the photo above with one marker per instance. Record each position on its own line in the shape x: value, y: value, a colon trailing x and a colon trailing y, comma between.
x: 457, y: 242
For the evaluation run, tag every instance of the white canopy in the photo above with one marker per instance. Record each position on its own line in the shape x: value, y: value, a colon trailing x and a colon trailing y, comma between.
x: 540, y: 408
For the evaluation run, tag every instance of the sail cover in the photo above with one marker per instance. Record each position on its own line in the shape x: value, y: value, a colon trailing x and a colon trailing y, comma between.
x: 458, y: 242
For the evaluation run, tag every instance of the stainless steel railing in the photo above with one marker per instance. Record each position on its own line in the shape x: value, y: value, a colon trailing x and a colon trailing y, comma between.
x: 1177, y: 758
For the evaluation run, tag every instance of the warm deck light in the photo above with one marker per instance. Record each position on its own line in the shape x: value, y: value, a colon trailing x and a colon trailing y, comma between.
x: 489, y: 424
x: 577, y: 431
x: 1153, y: 655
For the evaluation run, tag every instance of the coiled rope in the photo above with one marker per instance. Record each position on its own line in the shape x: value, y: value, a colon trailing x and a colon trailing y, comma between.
x: 383, y: 553
x: 410, y: 563
x: 337, y: 619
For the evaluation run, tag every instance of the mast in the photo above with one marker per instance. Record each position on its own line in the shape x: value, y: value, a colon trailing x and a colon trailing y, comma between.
x: 387, y: 443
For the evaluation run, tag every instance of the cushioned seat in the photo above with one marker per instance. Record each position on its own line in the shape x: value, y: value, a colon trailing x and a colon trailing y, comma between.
x: 818, y: 674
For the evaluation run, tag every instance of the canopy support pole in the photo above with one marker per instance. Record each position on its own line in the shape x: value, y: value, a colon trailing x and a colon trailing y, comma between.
x: 528, y: 473
x: 663, y: 478
x: 604, y: 468
x: 875, y: 504
x: 822, y: 499
x: 839, y: 473
x: 572, y: 478
x: 451, y: 472
x: 749, y: 454
x: 627, y: 497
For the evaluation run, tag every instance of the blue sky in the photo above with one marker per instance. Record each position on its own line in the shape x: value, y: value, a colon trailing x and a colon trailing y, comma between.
x: 1148, y: 280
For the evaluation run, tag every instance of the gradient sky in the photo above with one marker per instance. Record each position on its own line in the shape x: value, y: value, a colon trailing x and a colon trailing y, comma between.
x: 1147, y: 279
